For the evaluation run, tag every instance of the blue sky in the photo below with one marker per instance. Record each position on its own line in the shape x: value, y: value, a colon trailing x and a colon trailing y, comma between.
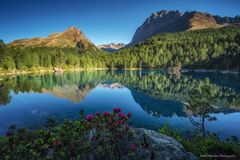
x: 103, y: 21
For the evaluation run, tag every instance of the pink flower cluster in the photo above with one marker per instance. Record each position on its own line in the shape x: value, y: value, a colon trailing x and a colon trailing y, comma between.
x: 120, y: 115
x: 117, y: 110
x: 106, y: 114
x: 89, y: 117
x: 97, y: 114
x: 115, y: 119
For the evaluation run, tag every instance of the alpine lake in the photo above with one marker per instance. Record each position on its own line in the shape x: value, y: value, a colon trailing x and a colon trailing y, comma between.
x: 154, y: 97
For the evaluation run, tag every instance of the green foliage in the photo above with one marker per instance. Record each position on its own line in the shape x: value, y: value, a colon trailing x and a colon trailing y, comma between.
x: 203, y: 147
x: 44, y: 57
x: 237, y: 38
x: 99, y: 136
x: 209, y: 48
x: 6, y: 61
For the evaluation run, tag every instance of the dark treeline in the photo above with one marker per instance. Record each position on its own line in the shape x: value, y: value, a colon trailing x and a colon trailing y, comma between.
x: 209, y: 48
x: 26, y: 58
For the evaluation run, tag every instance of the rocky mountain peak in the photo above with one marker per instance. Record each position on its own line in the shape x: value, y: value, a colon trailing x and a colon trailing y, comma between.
x: 163, y: 13
x: 174, y: 21
x: 159, y: 14
x: 71, y: 37
x: 112, y: 47
x: 73, y: 29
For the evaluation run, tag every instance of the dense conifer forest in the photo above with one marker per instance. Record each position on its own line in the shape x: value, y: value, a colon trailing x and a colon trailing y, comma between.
x: 208, y: 49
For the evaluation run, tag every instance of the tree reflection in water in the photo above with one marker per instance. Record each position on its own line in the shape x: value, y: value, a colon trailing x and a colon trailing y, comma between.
x: 155, y: 84
x: 201, y: 104
x: 160, y: 96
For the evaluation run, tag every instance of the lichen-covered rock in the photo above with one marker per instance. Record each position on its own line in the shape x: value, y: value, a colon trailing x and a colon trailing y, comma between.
x: 153, y: 145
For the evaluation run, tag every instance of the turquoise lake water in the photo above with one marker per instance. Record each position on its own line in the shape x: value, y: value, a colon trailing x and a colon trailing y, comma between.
x: 153, y: 97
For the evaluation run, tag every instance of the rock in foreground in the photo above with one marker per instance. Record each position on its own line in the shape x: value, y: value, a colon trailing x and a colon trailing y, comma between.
x: 160, y: 147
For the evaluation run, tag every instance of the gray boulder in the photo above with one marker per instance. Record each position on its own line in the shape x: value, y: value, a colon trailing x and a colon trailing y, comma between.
x: 157, y: 146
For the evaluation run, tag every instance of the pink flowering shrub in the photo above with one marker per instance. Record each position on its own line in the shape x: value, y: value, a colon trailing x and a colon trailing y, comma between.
x: 100, y: 136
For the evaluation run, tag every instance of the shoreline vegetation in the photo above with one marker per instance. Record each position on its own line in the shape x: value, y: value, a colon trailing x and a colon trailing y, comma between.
x: 108, y: 135
x: 61, y: 70
x: 214, y: 49
x: 45, y: 70
x: 56, y: 70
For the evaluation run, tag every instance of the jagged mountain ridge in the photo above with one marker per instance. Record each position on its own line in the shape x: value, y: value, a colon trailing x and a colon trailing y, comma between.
x: 112, y: 47
x: 73, y: 93
x: 175, y: 21
x: 71, y: 37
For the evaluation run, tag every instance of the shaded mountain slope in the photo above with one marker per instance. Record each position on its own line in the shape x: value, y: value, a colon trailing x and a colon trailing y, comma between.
x: 175, y: 21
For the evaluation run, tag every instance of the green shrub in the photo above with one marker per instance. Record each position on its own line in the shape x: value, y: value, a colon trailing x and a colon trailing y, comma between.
x: 205, y: 146
x: 99, y: 136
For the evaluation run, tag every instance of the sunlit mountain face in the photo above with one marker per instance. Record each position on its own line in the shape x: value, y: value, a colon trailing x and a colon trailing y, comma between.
x: 153, y: 97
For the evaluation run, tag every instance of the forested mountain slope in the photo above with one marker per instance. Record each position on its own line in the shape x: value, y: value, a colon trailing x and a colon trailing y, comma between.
x: 208, y: 48
x: 66, y: 49
x: 175, y: 21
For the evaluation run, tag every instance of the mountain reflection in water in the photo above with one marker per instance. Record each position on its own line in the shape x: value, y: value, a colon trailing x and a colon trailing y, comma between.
x: 153, y: 97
